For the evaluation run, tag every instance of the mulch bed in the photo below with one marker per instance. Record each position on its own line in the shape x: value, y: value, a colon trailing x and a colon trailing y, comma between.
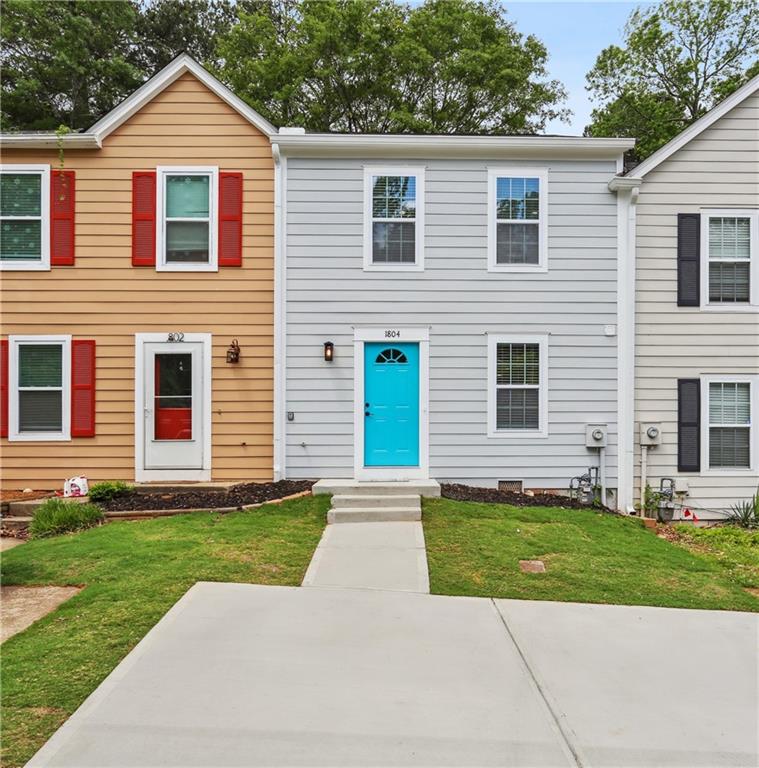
x: 237, y: 496
x: 459, y: 492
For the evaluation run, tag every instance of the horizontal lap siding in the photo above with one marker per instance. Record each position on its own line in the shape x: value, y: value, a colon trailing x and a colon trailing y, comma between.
x: 105, y: 298
x: 328, y: 293
x: 719, y: 169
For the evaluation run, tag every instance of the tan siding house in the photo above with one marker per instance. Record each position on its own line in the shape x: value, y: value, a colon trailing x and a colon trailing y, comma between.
x: 697, y: 309
x: 166, y: 407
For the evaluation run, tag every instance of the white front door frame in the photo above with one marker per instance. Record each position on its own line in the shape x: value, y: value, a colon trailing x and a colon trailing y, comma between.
x: 146, y: 475
x: 389, y: 334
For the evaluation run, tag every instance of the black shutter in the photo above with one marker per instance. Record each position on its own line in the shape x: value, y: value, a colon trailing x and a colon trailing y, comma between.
x: 688, y: 253
x: 688, y: 425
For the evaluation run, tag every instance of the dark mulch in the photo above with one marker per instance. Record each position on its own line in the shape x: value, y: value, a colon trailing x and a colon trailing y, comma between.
x: 237, y: 496
x: 459, y: 492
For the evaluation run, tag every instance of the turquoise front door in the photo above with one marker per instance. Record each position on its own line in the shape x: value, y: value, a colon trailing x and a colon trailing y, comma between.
x: 391, y: 405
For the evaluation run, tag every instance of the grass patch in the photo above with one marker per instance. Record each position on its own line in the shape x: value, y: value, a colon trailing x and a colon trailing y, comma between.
x: 133, y: 572
x: 56, y: 516
x: 590, y: 557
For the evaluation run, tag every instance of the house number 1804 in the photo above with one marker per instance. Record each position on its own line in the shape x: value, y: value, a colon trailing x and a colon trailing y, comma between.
x: 392, y: 334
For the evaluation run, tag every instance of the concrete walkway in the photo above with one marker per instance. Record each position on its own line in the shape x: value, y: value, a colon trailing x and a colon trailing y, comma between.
x: 250, y: 675
x: 388, y: 556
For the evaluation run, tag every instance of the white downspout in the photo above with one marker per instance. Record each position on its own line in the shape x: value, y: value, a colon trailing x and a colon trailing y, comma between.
x: 643, y: 478
x: 279, y: 425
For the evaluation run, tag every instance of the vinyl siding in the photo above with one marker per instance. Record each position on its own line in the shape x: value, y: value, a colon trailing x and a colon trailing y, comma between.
x: 328, y: 294
x: 717, y: 169
x: 105, y: 298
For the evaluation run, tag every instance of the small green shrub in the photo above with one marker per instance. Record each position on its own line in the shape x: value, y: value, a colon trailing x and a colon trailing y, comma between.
x: 745, y: 513
x: 61, y: 516
x: 108, y: 490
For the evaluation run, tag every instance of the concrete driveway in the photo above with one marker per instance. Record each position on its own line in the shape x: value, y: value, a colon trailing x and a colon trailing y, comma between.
x: 251, y: 675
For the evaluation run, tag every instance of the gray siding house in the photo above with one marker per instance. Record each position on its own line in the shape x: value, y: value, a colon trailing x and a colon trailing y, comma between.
x: 697, y: 310
x: 449, y: 308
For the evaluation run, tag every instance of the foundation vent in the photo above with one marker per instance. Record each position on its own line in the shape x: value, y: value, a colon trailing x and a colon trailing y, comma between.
x: 514, y: 486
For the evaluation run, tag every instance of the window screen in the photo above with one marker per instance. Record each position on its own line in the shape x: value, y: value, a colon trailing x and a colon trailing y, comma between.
x: 517, y: 220
x: 40, y: 388
x: 20, y: 217
x: 730, y: 425
x: 188, y: 219
x: 517, y: 386
x: 729, y: 259
x: 394, y: 219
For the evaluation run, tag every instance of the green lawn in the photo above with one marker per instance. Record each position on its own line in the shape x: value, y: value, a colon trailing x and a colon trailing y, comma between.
x: 133, y: 573
x: 475, y: 549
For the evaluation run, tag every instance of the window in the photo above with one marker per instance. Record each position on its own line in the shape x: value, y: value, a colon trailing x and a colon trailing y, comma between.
x: 729, y: 424
x: 394, y: 218
x: 40, y: 393
x: 187, y: 219
x: 731, y: 261
x: 517, y: 217
x: 25, y: 217
x: 517, y: 385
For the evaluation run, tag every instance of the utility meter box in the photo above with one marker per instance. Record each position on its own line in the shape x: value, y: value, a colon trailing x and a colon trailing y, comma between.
x: 650, y: 433
x: 596, y: 435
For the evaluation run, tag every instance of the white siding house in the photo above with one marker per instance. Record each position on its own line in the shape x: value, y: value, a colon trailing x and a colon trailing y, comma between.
x: 697, y: 308
x: 449, y: 308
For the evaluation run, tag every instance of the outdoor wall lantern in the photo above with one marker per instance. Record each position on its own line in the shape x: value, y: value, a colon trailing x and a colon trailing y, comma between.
x: 329, y: 351
x: 233, y: 352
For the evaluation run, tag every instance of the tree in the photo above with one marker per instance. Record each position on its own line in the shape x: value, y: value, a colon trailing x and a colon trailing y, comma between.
x: 377, y: 66
x: 65, y: 62
x: 679, y: 59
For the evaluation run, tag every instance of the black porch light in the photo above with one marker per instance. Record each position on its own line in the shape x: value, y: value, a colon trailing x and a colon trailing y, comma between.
x: 233, y: 352
x: 329, y: 351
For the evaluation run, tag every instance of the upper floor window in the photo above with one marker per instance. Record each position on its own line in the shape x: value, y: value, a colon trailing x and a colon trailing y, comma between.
x: 25, y: 217
x: 187, y: 219
x: 517, y: 219
x: 394, y: 218
x: 730, y: 258
x: 729, y: 423
x: 517, y: 385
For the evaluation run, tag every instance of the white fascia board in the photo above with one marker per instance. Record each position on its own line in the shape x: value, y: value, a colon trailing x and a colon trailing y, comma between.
x: 698, y: 127
x: 171, y: 72
x: 369, y: 145
x: 624, y: 183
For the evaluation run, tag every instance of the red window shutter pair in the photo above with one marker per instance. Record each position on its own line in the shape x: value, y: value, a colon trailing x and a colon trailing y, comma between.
x: 144, y: 219
x: 82, y: 388
x: 62, y: 206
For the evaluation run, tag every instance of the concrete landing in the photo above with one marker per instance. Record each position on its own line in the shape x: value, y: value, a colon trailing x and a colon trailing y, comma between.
x: 377, y: 487
x: 370, y: 555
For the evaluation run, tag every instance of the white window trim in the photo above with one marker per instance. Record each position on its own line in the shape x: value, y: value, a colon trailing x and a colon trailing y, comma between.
x: 753, y: 381
x: 494, y: 339
x: 715, y: 213
x: 162, y: 172
x: 13, y: 413
x: 394, y: 170
x: 541, y: 173
x: 44, y: 263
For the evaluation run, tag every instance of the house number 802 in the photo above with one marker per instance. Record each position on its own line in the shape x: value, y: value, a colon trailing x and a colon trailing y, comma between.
x: 176, y: 336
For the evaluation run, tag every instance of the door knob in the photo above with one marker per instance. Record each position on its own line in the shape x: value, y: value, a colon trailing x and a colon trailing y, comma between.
x: 366, y: 413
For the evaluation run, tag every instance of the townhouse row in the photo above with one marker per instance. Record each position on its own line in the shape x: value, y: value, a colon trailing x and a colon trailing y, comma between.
x: 191, y: 294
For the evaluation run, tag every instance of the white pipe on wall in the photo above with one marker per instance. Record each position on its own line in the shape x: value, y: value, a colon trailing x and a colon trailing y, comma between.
x: 643, y: 479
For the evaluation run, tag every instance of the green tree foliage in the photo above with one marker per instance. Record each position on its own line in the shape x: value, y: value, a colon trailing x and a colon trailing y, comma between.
x: 378, y: 66
x: 679, y: 59
x: 64, y: 62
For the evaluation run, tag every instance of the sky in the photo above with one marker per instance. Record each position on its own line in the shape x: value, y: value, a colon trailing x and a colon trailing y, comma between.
x: 574, y: 34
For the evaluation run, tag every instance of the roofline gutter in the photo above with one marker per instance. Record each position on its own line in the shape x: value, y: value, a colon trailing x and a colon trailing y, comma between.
x: 49, y: 140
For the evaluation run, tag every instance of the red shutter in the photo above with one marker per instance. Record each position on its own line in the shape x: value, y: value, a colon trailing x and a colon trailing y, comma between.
x: 143, y: 218
x: 4, y: 388
x: 82, y: 388
x: 230, y: 219
x: 62, y: 197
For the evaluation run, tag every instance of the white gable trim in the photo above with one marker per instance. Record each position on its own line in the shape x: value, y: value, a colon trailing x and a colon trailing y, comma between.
x: 696, y: 128
x: 162, y: 80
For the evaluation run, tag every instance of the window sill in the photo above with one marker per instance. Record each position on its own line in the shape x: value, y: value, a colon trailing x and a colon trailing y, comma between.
x: 519, y: 434
x: 39, y: 437
x: 729, y: 307
x: 24, y: 266
x: 518, y: 268
x: 187, y: 268
x: 393, y: 268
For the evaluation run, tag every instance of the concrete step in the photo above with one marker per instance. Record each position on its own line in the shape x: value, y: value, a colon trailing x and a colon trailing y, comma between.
x: 365, y: 501
x: 344, y: 487
x: 380, y: 515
